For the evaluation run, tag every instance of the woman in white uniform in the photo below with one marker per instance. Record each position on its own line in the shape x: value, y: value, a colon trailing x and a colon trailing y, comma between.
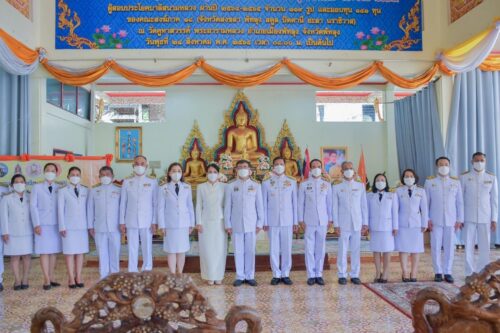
x: 383, y: 225
x: 175, y: 217
x: 17, y: 231
x: 43, y: 208
x: 210, y: 225
x: 413, y: 219
x: 72, y: 218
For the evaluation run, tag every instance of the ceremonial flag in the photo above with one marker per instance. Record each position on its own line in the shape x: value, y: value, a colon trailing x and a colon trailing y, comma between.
x: 362, y: 168
x: 306, y: 164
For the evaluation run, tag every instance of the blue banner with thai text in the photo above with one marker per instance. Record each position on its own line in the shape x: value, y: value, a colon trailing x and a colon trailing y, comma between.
x: 390, y: 25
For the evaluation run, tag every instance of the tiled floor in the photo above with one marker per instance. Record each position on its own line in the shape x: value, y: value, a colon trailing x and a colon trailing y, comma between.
x: 298, y: 308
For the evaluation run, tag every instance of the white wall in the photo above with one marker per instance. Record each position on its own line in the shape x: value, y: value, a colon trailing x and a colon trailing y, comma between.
x: 20, y: 27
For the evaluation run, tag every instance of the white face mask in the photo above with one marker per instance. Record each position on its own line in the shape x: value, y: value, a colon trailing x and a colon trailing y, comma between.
x: 139, y: 170
x: 243, y: 173
x: 380, y: 185
x: 176, y: 176
x: 479, y: 166
x: 212, y: 177
x: 444, y: 170
x: 105, y: 180
x: 50, y: 176
x: 349, y: 173
x: 19, y: 187
x: 75, y: 180
x: 409, y: 181
x: 316, y: 172
x: 279, y: 169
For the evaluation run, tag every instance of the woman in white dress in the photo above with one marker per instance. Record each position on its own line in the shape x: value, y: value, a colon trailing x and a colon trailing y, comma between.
x: 72, y: 218
x: 17, y: 231
x: 43, y: 208
x: 210, y: 224
x: 383, y: 225
x: 175, y: 217
x: 413, y: 219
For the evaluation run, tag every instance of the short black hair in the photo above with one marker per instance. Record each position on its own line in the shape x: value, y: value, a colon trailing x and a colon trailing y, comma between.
x: 74, y: 168
x: 17, y: 175
x: 277, y: 158
x: 169, y: 179
x: 315, y: 160
x: 107, y: 168
x: 213, y: 165
x: 414, y: 174
x: 137, y: 156
x: 374, y: 188
x: 240, y: 162
x: 478, y: 153
x: 49, y: 164
x: 442, y: 158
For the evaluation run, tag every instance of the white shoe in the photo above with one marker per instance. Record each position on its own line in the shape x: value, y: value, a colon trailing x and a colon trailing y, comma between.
x: 210, y: 283
x: 218, y: 282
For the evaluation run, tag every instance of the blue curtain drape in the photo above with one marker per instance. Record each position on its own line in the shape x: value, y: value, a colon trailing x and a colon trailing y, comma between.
x: 418, y: 135
x: 15, y: 116
x: 474, y: 123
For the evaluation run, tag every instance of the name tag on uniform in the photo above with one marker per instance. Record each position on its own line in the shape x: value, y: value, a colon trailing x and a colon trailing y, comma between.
x: 236, y: 189
x: 355, y: 189
x: 309, y: 187
x: 272, y: 182
x: 488, y: 182
x: 186, y: 187
x: 251, y: 189
x: 324, y: 186
x: 147, y: 185
x: 287, y: 184
x: 433, y: 185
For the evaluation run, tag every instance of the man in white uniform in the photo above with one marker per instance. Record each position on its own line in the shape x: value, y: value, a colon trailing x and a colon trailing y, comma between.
x: 480, y: 190
x: 138, y: 214
x: 3, y: 190
x: 315, y: 216
x: 350, y: 218
x: 446, y: 214
x: 243, y: 218
x: 279, y: 194
x: 103, y: 214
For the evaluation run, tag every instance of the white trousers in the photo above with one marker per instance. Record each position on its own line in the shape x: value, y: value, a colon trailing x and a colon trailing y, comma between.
x: 482, y: 231
x: 108, y: 248
x: 315, y: 239
x: 443, y: 236
x: 280, y: 242
x: 1, y: 261
x: 244, y: 255
x: 145, y: 237
x: 349, y: 240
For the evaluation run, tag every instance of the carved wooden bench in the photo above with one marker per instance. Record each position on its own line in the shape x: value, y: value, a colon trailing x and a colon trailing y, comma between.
x: 475, y: 309
x: 145, y: 302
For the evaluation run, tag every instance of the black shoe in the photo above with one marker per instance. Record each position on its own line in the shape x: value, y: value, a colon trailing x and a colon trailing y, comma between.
x: 275, y: 281
x: 252, y: 283
x: 413, y: 279
x: 54, y: 284
x: 383, y: 281
x: 343, y: 281
x: 311, y: 281
x: 320, y: 281
x: 47, y: 287
x: 356, y: 281
x: 287, y: 281
x: 438, y: 277
x: 448, y: 278
x: 80, y: 285
x: 1, y: 287
x: 238, y: 283
x: 72, y: 286
x: 24, y: 286
x: 18, y: 287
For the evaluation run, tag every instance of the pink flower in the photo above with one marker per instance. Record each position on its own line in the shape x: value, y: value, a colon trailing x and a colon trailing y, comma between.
x: 375, y: 30
x: 122, y: 33
x: 102, y: 41
x: 119, y: 46
x: 106, y: 28
x: 114, y: 35
x: 383, y: 32
x: 97, y: 30
x: 379, y: 42
x: 368, y: 37
x: 364, y: 47
x: 360, y: 35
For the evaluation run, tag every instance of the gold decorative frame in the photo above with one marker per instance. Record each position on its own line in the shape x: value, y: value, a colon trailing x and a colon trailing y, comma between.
x: 286, y: 133
x: 326, y: 148
x: 195, y: 134
x: 117, y: 142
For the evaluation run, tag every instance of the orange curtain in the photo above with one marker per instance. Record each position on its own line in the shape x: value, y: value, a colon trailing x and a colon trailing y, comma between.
x: 407, y: 83
x: 329, y: 82
x: 492, y: 63
x: 240, y: 80
x: 155, y: 80
x: 79, y: 78
x: 445, y: 70
x: 21, y: 51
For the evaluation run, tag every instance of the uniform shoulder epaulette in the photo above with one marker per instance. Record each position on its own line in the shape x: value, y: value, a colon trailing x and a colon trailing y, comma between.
x: 291, y: 178
x: 490, y: 173
x: 151, y: 177
x: 129, y: 176
x: 463, y: 173
x: 420, y: 186
x: 162, y: 181
x: 431, y: 177
x: 454, y: 177
x: 392, y: 189
x: 5, y: 194
x: 337, y: 181
x: 326, y: 178
x: 61, y: 187
x: 60, y: 183
x: 117, y: 183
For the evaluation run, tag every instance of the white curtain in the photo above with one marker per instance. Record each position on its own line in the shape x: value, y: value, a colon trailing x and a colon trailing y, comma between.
x: 10, y: 63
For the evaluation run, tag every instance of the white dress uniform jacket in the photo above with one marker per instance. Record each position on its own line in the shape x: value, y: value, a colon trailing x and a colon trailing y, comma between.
x: 383, y: 214
x: 43, y: 204
x: 138, y: 202
x: 350, y: 210
x: 315, y: 202
x: 413, y: 211
x: 3, y: 191
x: 16, y: 222
x: 279, y: 194
x: 72, y: 210
x: 243, y: 208
x: 175, y: 210
x: 103, y: 211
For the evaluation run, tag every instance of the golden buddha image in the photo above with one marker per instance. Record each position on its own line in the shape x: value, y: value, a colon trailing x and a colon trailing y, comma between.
x: 291, y: 167
x: 242, y: 140
x: 195, y: 172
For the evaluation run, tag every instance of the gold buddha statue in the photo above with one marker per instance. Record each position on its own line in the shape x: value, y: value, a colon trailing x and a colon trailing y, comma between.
x: 195, y: 172
x: 242, y: 140
x: 291, y: 168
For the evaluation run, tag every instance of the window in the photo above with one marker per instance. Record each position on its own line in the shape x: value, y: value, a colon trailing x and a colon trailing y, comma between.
x: 130, y: 106
x: 75, y: 100
x: 349, y: 106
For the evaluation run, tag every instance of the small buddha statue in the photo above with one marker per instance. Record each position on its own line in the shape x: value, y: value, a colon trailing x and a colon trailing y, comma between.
x: 195, y: 168
x: 291, y: 168
x: 242, y: 140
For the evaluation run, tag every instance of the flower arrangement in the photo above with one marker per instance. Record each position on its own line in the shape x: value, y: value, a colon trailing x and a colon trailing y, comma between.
x: 376, y: 39
x: 264, y: 163
x: 105, y: 38
x: 226, y: 162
